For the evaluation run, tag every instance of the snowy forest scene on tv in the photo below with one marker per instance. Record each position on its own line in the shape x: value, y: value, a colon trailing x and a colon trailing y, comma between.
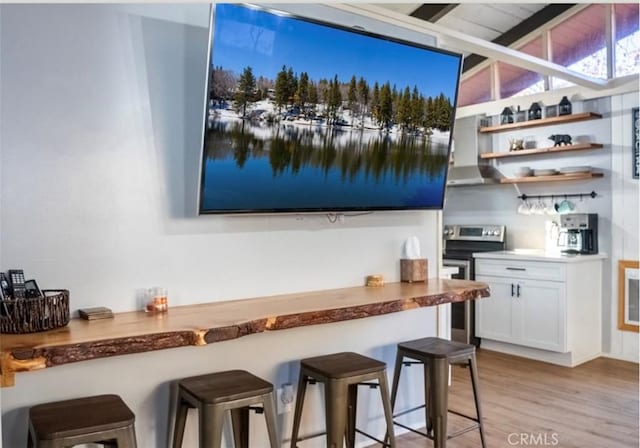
x: 303, y: 116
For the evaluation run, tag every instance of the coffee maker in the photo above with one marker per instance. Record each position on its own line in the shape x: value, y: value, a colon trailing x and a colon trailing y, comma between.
x: 579, y: 233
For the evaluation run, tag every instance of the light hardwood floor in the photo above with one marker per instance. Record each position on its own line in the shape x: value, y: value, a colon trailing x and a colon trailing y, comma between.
x: 594, y: 405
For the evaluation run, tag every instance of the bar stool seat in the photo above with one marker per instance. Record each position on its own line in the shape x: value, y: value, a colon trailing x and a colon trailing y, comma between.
x: 225, y: 386
x: 213, y: 394
x: 341, y: 374
x: 82, y: 420
x: 436, y: 355
x: 342, y: 365
x: 426, y: 348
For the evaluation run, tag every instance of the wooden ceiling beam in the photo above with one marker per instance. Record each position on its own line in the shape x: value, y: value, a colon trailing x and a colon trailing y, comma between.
x: 432, y: 12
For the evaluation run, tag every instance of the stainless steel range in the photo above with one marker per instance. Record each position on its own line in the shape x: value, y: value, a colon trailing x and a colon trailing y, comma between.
x: 460, y: 242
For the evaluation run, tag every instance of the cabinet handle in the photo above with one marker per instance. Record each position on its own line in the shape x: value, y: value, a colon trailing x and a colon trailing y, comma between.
x: 515, y: 269
x: 518, y: 293
x: 512, y: 291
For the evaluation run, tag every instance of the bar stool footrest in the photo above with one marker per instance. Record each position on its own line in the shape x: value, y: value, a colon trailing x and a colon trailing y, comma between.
x: 468, y: 417
x: 417, y: 408
x: 311, y: 436
x: 423, y: 434
x: 463, y: 431
x: 371, y: 437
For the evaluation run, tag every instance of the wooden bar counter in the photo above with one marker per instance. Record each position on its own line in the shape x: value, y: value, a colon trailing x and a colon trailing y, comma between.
x: 136, y: 332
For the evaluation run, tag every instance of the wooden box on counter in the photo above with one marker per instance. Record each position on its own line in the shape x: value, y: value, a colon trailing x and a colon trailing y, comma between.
x: 413, y: 270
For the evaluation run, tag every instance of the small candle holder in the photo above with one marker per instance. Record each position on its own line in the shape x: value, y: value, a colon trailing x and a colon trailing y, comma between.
x: 157, y: 301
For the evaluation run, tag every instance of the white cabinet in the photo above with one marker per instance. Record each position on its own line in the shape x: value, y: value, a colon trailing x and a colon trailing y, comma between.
x: 522, y: 311
x: 543, y: 315
x: 494, y: 315
x: 548, y: 310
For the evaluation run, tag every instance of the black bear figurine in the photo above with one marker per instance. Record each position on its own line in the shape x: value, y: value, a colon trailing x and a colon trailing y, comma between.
x: 560, y: 139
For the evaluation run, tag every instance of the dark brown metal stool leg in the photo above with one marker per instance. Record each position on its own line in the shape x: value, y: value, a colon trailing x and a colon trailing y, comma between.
x: 397, y: 370
x: 428, y: 406
x: 386, y: 405
x: 352, y: 403
x: 336, y: 412
x: 182, y: 409
x: 126, y: 437
x: 240, y: 423
x: 210, y: 426
x: 473, y: 369
x: 439, y: 379
x: 396, y: 379
x: 297, y: 415
x: 270, y: 417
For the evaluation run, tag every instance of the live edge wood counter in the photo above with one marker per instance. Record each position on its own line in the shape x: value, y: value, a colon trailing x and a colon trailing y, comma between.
x: 202, y: 324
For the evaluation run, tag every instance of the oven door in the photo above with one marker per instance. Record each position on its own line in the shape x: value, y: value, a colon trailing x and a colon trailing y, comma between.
x: 462, y: 325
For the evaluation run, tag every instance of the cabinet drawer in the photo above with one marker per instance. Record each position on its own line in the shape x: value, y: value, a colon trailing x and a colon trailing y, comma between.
x: 538, y: 270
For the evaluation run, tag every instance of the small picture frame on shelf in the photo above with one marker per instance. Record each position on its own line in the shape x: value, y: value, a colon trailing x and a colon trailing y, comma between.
x: 551, y: 111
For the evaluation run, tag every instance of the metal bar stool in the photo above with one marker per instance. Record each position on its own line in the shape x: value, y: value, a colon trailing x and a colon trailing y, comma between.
x: 102, y: 419
x: 341, y: 374
x: 436, y: 355
x: 214, y: 394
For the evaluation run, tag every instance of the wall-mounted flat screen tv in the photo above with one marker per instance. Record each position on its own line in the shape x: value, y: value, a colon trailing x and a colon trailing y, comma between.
x: 305, y: 116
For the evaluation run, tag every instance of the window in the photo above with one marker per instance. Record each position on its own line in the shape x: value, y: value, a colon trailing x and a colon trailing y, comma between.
x: 475, y: 89
x: 579, y: 44
x: 627, y: 39
x: 514, y: 81
x: 528, y: 82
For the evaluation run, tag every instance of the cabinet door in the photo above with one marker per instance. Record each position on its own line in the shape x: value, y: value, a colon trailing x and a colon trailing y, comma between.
x: 541, y: 306
x: 494, y: 314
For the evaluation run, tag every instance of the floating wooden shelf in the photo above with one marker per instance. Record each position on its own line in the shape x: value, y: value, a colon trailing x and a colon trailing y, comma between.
x: 554, y: 178
x: 208, y: 323
x: 542, y: 122
x: 528, y: 152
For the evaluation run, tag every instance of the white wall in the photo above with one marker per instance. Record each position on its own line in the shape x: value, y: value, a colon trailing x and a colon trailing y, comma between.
x: 616, y: 204
x: 99, y: 152
x: 625, y: 208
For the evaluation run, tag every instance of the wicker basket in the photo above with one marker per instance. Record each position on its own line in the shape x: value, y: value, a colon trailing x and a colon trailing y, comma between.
x: 39, y: 314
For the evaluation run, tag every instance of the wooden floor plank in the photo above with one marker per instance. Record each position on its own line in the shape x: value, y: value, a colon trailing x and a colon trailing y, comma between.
x: 594, y: 405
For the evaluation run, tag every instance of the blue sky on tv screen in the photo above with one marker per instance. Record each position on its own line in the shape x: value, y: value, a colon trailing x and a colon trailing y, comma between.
x: 264, y: 41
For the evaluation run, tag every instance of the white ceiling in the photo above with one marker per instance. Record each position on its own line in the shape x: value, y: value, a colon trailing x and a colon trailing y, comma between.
x: 485, y: 21
x: 488, y: 21
x: 403, y: 8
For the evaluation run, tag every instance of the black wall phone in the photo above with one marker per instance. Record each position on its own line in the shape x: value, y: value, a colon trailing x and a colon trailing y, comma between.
x: 13, y: 286
x: 17, y: 283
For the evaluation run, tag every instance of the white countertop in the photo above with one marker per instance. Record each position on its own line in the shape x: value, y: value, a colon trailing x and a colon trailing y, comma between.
x: 538, y: 255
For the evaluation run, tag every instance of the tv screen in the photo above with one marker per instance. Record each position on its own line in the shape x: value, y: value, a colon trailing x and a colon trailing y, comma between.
x: 304, y: 116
